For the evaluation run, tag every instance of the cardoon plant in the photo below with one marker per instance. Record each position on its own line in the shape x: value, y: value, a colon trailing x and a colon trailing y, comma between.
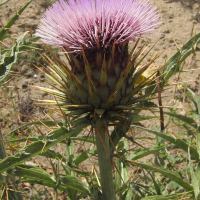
x: 102, y: 79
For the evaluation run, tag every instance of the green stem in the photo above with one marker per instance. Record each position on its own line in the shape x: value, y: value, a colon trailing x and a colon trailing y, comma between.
x: 105, y: 160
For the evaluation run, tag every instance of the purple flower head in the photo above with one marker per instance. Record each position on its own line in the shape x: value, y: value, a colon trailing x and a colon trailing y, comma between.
x: 83, y: 23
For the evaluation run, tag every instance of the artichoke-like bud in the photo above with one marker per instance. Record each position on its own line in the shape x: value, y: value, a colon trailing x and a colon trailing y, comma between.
x: 101, y: 76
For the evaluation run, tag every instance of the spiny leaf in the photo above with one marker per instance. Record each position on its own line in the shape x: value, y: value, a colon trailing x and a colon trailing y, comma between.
x: 141, y: 153
x: 170, y: 174
x: 37, y: 147
x: 7, y: 60
x: 48, y: 123
x: 164, y: 197
x: 85, y: 155
x: 172, y: 66
x: 120, y: 131
x: 12, y: 189
x: 51, y: 153
x: 190, y: 121
x: 196, y: 114
x: 178, y: 142
x: 195, y: 181
x: 7, y: 27
x: 38, y: 174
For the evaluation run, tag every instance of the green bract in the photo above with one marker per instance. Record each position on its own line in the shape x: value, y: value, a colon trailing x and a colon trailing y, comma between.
x: 106, y: 83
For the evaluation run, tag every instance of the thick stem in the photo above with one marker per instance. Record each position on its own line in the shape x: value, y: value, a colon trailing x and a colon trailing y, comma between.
x: 104, y: 157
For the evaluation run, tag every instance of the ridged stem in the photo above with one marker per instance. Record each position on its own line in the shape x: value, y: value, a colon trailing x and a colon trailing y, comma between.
x: 104, y: 158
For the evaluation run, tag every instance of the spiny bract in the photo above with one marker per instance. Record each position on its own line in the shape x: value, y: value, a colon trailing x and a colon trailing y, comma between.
x: 102, y: 77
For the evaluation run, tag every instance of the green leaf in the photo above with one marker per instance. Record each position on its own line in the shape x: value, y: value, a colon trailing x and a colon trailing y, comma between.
x: 121, y: 173
x: 173, y: 64
x: 2, y: 3
x: 36, y: 138
x: 40, y: 176
x: 178, y: 142
x: 168, y: 173
x: 141, y: 153
x: 70, y: 153
x: 2, y: 149
x: 26, y: 44
x: 37, y: 147
x: 119, y: 132
x: 13, y: 188
x: 32, y: 172
x: 187, y: 120
x: 74, y: 183
x: 84, y: 139
x: 195, y: 182
x: 7, y: 60
x: 163, y: 197
x: 196, y: 114
x: 137, y: 118
x: 174, y: 185
x: 157, y: 188
x: 129, y: 194
x: 85, y: 155
x: 55, y: 155
x: 7, y: 27
x: 48, y: 123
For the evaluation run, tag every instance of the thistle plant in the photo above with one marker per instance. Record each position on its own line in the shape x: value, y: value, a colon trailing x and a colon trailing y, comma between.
x: 101, y: 81
x: 103, y: 84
